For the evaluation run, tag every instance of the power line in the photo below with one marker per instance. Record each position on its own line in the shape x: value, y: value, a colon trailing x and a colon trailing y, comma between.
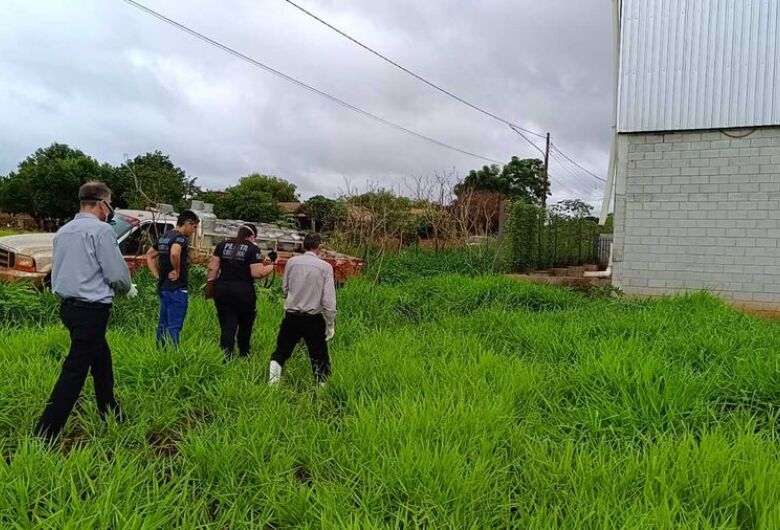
x: 301, y: 84
x: 591, y: 201
x: 583, y: 178
x: 554, y: 178
x: 580, y: 179
x: 573, y: 166
x: 560, y: 156
x: 556, y: 157
x: 573, y: 169
x: 555, y: 148
x: 519, y: 131
x: 410, y: 72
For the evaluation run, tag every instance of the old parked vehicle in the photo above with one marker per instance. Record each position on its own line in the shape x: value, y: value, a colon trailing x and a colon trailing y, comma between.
x: 27, y: 257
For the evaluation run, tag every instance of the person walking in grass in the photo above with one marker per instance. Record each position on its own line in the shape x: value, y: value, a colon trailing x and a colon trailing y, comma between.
x: 168, y: 261
x: 88, y: 271
x: 310, y: 311
x: 235, y: 265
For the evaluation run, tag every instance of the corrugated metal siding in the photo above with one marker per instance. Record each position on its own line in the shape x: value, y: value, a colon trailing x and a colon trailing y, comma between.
x: 699, y: 64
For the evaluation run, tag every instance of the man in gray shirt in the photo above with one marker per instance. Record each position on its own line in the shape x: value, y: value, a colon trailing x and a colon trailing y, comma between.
x: 310, y: 311
x: 87, y: 271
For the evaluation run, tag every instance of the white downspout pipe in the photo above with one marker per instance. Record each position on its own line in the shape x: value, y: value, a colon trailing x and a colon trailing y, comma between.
x: 605, y: 273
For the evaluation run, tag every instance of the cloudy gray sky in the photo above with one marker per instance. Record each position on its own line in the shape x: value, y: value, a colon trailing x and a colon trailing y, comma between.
x: 112, y: 81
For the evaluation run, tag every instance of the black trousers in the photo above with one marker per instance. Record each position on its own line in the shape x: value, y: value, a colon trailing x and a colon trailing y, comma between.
x: 310, y: 328
x: 236, y: 310
x: 89, y: 352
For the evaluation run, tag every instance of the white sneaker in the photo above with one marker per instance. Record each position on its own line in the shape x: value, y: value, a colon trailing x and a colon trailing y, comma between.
x: 274, y: 373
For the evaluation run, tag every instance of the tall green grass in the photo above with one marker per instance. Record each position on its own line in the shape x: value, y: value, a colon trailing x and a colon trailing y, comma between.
x: 394, y: 268
x: 456, y: 402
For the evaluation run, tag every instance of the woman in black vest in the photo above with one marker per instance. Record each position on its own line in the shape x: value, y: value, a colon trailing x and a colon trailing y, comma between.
x: 235, y: 265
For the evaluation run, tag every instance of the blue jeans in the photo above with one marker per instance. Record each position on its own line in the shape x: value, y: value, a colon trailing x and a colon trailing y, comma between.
x: 173, y: 309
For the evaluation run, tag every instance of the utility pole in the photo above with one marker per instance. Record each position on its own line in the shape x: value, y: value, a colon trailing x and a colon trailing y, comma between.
x: 546, y: 171
x: 543, y: 214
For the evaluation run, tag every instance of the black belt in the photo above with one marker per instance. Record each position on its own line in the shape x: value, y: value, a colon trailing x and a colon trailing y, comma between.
x: 75, y: 302
x: 303, y: 314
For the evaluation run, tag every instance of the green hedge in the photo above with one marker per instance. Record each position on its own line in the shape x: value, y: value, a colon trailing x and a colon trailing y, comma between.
x: 537, y: 239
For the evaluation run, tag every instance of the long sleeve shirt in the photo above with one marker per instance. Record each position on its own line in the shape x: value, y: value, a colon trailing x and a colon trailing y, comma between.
x: 87, y: 264
x: 309, y: 286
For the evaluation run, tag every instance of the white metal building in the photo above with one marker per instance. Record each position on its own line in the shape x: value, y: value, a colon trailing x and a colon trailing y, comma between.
x: 695, y: 168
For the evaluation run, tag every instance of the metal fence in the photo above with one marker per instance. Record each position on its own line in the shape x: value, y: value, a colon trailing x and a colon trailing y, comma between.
x: 602, y: 249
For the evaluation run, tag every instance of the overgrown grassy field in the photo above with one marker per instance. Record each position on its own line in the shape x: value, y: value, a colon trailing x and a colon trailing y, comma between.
x: 7, y: 232
x: 456, y: 402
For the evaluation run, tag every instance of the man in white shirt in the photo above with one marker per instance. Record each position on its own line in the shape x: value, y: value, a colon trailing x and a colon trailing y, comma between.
x: 310, y: 311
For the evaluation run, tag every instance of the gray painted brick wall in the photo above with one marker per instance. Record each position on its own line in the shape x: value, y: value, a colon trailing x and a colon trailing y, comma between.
x: 699, y: 210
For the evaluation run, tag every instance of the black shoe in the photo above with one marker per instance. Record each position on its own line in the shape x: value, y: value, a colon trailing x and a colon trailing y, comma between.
x: 228, y: 356
x: 115, y: 410
x: 46, y: 435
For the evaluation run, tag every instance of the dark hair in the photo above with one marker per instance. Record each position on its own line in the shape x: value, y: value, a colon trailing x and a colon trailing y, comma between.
x: 187, y: 216
x: 312, y: 241
x: 244, y: 233
x: 93, y: 192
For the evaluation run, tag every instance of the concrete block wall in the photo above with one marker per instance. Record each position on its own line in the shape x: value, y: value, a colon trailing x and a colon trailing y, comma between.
x: 699, y: 210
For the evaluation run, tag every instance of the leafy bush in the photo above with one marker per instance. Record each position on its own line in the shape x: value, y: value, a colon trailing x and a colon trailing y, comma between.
x: 324, y: 213
x: 538, y: 239
x: 569, y: 241
x: 524, y: 232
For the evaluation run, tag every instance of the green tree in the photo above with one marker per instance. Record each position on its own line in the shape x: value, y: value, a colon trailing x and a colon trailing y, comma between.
x: 210, y: 196
x: 573, y: 208
x: 15, y: 194
x: 382, y: 199
x: 518, y: 179
x: 153, y: 177
x: 488, y: 178
x: 280, y: 189
x: 526, y: 180
x: 252, y: 205
x: 324, y: 212
x: 609, y: 224
x: 255, y: 198
x: 380, y: 215
x: 46, y: 183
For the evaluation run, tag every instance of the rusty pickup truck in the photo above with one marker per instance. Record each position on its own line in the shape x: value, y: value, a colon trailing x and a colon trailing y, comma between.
x: 27, y: 257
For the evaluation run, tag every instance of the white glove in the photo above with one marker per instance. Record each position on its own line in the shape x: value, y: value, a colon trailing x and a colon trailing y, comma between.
x: 330, y: 331
x: 133, y: 292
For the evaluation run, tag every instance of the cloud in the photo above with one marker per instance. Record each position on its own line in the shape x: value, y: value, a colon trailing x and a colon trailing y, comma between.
x: 114, y: 82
